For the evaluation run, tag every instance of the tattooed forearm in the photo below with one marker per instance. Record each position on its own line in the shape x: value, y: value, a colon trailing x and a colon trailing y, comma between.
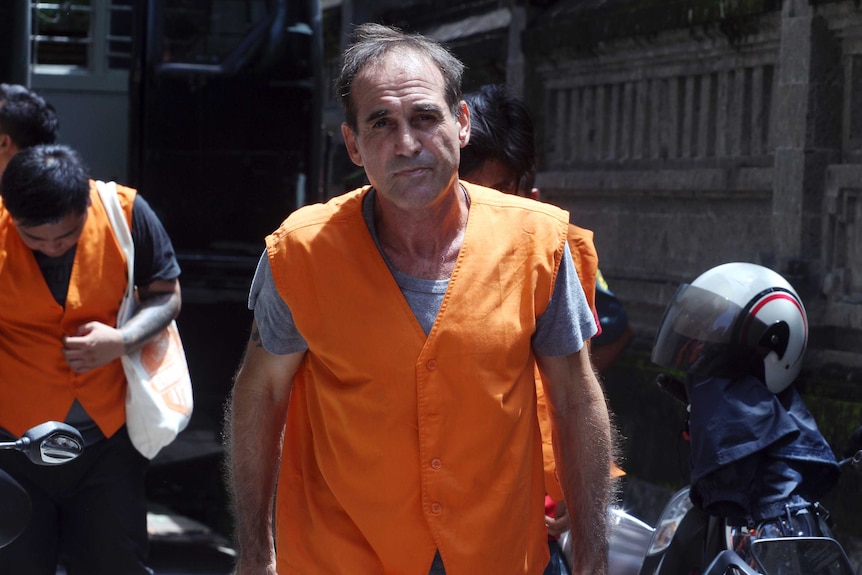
x: 151, y: 317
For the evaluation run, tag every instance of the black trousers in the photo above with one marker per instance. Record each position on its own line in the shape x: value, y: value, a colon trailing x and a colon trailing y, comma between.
x: 90, y: 514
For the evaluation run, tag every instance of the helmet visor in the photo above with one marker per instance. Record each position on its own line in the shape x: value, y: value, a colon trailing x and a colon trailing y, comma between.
x: 697, y: 324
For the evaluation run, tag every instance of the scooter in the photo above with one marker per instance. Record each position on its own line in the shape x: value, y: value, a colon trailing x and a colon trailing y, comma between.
x: 50, y: 443
x: 798, y: 543
x: 678, y: 543
x: 628, y: 543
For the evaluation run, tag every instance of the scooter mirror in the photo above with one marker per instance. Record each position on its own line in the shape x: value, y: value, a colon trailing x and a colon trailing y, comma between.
x: 801, y: 555
x: 51, y: 443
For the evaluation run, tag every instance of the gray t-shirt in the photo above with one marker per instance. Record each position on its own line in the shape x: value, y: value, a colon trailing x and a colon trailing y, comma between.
x: 562, y: 330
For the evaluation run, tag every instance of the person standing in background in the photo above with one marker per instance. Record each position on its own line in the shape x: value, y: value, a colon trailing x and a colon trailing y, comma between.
x: 62, y: 277
x: 502, y: 155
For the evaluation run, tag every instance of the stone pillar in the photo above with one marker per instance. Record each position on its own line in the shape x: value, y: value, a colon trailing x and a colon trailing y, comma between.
x: 515, y: 56
x: 806, y: 132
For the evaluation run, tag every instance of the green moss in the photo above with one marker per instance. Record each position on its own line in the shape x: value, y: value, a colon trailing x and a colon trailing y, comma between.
x: 646, y: 18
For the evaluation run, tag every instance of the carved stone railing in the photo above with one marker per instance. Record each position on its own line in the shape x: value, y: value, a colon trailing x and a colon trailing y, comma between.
x: 721, y: 114
x: 664, y: 149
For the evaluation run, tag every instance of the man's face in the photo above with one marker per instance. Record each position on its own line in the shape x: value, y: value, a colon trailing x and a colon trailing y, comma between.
x: 406, y: 136
x: 496, y: 175
x: 53, y: 239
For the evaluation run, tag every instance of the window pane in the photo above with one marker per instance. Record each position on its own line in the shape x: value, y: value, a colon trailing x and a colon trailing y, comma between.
x: 61, y: 33
x: 206, y: 31
x: 120, y: 36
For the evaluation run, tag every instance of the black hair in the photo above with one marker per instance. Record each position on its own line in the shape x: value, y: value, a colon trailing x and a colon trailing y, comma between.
x: 373, y: 41
x: 43, y: 184
x: 501, y: 128
x: 27, y: 117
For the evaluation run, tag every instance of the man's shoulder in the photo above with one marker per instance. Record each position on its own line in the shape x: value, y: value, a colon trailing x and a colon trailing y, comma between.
x: 125, y: 193
x: 580, y: 236
x: 506, y: 202
x: 315, y: 216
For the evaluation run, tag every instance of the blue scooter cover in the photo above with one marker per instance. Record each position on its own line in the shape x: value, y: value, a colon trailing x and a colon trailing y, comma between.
x: 753, y: 452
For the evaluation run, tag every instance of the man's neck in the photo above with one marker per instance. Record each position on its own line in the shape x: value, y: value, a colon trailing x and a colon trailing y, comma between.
x: 423, y: 243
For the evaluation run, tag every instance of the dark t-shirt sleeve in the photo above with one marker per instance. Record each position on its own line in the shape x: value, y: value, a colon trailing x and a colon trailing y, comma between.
x: 154, y: 253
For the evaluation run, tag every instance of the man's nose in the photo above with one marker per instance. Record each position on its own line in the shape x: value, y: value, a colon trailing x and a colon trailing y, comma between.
x: 408, y: 142
x: 54, y: 249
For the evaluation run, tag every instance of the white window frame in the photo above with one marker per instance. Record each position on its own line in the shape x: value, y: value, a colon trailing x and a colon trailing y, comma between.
x: 97, y: 76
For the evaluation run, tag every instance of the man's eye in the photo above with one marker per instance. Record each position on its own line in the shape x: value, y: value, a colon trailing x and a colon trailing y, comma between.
x: 382, y: 122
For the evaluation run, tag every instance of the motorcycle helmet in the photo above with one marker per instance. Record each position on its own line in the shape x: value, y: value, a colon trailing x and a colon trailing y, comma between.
x: 734, y: 319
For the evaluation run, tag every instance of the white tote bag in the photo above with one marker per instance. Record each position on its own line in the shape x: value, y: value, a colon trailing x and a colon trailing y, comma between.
x: 159, y: 393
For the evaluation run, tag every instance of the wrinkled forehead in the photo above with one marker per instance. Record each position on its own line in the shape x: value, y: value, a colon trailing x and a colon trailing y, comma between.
x: 394, y: 81
x: 402, y: 62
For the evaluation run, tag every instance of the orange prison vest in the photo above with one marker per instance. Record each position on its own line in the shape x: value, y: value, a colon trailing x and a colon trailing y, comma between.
x: 586, y: 262
x: 36, y: 384
x: 397, y: 444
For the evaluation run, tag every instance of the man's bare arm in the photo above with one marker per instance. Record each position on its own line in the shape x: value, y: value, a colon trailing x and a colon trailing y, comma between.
x: 256, y: 417
x: 582, y: 449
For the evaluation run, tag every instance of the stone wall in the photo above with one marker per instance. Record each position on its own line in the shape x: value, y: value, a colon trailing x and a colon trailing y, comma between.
x: 692, y: 146
x: 688, y: 134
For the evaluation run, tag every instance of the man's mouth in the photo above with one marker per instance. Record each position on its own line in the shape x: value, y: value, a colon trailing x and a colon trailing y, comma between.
x: 413, y: 171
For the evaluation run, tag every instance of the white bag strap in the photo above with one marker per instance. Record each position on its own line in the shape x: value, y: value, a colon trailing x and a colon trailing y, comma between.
x: 108, y: 193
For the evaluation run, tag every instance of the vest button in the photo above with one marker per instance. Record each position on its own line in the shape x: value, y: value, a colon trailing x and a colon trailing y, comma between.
x: 431, y: 365
x: 436, y: 463
x: 436, y: 508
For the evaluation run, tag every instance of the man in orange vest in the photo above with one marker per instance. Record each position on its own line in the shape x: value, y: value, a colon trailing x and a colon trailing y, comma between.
x: 62, y: 277
x: 502, y: 155
x: 387, y: 400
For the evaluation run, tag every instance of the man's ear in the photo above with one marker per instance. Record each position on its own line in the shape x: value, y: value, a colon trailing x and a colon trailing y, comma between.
x: 8, y: 148
x: 464, y: 124
x: 350, y: 144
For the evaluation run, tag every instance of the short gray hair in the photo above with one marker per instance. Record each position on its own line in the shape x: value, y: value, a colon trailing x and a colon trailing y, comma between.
x: 373, y: 41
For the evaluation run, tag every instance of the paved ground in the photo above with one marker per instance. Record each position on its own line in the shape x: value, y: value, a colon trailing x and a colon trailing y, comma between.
x: 853, y: 547
x: 179, y: 478
x: 182, y: 546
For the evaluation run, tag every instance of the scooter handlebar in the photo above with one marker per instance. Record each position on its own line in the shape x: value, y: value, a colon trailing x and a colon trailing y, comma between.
x: 726, y: 559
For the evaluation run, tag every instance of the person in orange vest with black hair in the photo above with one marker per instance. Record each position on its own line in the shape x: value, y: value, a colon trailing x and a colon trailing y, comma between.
x: 502, y: 155
x: 26, y: 119
x: 62, y: 277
